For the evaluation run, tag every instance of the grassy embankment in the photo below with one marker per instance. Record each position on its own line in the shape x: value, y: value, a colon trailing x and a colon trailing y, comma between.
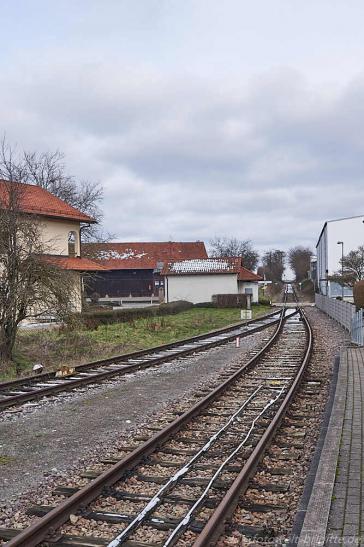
x: 55, y: 347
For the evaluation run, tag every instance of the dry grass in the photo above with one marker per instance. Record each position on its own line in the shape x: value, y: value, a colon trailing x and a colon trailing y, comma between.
x: 56, y: 347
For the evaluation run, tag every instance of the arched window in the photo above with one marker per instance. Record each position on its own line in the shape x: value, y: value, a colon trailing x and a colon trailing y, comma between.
x: 72, y: 243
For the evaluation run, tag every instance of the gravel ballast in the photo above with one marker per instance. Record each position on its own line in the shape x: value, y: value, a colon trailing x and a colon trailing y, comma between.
x: 112, y: 416
x: 52, y: 435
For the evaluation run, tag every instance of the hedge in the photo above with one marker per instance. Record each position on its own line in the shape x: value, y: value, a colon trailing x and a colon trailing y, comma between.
x: 358, y: 293
x: 92, y: 320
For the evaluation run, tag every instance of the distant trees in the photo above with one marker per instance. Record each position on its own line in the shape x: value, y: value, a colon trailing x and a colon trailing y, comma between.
x: 299, y: 261
x: 273, y: 265
x: 29, y: 284
x: 231, y: 246
x: 48, y: 170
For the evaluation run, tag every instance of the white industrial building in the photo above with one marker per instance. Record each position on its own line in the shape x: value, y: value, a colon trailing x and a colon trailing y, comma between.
x: 337, y: 238
x: 199, y: 279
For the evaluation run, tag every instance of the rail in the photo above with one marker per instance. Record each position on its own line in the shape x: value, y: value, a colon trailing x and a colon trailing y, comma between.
x: 227, y: 506
x: 19, y: 391
x: 38, y: 532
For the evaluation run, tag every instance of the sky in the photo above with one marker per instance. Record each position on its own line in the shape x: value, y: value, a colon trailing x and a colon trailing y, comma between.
x: 200, y: 118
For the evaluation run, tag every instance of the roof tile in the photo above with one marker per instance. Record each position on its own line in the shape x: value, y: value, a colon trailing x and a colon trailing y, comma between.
x: 38, y: 201
x: 206, y: 265
x: 143, y: 255
x: 75, y: 263
x: 223, y: 265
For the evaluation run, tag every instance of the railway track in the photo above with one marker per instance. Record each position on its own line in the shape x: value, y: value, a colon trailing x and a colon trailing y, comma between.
x: 182, y: 485
x: 20, y: 391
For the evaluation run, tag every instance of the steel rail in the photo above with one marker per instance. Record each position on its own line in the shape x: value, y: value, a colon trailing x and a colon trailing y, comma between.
x: 183, y: 525
x: 140, y: 353
x: 69, y: 384
x: 157, y: 499
x: 49, y: 523
x: 214, y: 527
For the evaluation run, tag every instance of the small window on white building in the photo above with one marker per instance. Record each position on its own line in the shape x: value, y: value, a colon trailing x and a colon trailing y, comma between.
x: 72, y: 244
x: 248, y: 291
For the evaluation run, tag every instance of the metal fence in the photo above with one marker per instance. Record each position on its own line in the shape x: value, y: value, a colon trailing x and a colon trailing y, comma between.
x: 342, y: 312
x: 357, y: 328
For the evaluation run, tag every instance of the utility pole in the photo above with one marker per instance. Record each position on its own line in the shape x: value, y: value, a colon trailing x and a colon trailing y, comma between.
x: 342, y: 268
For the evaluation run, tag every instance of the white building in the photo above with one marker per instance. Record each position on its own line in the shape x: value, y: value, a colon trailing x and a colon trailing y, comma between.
x: 337, y: 238
x: 198, y: 280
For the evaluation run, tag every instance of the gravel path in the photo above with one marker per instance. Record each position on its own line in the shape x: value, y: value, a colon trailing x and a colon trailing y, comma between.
x: 55, y: 434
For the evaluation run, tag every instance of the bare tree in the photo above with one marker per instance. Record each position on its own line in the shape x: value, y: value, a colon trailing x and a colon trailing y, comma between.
x: 273, y: 265
x: 299, y: 261
x: 30, y: 284
x: 231, y: 246
x: 352, y: 268
x: 48, y: 170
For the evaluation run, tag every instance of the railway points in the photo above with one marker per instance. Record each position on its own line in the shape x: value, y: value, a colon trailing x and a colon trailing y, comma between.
x: 214, y: 444
x: 211, y: 474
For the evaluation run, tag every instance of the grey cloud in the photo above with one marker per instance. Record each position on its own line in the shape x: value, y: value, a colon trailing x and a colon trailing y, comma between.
x: 269, y: 161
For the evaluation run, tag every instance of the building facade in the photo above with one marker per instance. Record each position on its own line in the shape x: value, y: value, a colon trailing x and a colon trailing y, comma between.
x: 59, y: 230
x: 134, y: 269
x: 337, y: 238
x: 198, y: 280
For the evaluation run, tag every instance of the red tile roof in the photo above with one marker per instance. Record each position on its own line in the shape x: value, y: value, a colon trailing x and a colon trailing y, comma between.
x: 38, y: 201
x: 226, y: 265
x: 76, y: 263
x: 203, y: 266
x: 247, y: 275
x: 148, y: 255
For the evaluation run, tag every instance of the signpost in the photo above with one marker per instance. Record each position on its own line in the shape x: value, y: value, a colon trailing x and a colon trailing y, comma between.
x: 245, y: 315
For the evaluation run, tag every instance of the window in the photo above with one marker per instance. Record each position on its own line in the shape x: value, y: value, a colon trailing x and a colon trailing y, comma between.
x: 72, y: 244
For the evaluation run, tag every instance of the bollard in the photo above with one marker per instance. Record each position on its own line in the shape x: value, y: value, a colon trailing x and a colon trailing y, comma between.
x: 238, y: 341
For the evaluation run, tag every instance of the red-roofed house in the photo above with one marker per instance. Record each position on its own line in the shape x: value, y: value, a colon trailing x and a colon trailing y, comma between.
x: 198, y: 280
x: 60, y: 228
x: 134, y: 269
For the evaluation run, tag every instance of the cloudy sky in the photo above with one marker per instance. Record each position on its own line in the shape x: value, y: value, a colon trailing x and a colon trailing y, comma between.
x: 199, y: 117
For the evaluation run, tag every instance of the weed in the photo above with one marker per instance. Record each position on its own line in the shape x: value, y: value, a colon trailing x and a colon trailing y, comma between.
x: 4, y: 460
x: 56, y: 347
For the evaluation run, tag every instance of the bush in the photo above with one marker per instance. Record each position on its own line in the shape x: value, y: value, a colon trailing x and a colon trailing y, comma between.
x: 205, y: 305
x: 264, y: 301
x: 174, y: 307
x: 95, y: 297
x: 358, y: 293
x: 93, y: 319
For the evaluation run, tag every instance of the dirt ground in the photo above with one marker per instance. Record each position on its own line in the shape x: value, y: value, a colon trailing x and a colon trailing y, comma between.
x: 49, y: 437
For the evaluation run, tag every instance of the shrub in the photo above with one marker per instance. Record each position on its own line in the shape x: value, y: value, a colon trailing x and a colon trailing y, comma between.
x: 359, y: 294
x: 205, y: 305
x: 95, y: 297
x: 93, y: 319
x: 174, y: 307
x: 264, y: 301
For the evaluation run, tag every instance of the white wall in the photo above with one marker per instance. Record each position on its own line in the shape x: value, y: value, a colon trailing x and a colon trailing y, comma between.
x: 321, y: 252
x: 249, y: 285
x: 351, y: 232
x: 54, y: 233
x: 199, y: 287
